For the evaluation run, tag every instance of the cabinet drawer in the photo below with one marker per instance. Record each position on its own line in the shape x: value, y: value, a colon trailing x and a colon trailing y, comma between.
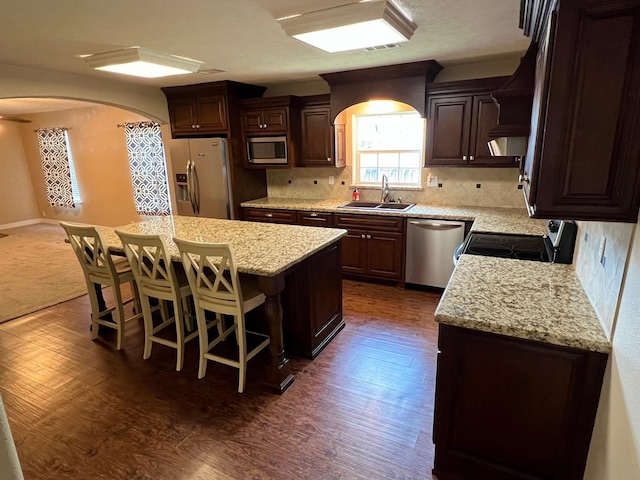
x: 370, y: 222
x: 315, y: 219
x: 269, y: 215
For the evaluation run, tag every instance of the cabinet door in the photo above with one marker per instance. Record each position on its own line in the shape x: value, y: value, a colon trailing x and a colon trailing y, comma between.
x: 315, y: 219
x: 384, y: 254
x: 512, y: 409
x: 275, y: 120
x: 252, y: 121
x: 354, y: 252
x: 182, y: 112
x: 316, y: 137
x: 590, y: 155
x: 448, y: 130
x: 483, y: 119
x: 269, y: 215
x: 211, y: 114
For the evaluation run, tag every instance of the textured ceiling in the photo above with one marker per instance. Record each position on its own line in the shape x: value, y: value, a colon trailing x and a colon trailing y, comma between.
x: 241, y: 37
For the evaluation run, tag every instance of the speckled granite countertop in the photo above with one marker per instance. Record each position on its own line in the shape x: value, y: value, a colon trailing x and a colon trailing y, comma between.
x: 518, y: 298
x: 485, y: 219
x: 523, y: 299
x: 265, y: 249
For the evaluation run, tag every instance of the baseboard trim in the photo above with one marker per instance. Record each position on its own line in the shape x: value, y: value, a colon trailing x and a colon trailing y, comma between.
x: 23, y: 223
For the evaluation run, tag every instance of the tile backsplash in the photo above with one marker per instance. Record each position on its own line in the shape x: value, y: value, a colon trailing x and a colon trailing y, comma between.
x: 498, y: 186
x: 602, y: 282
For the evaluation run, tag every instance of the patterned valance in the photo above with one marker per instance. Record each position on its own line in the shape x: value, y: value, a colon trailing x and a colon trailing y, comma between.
x: 148, y: 168
x: 55, y: 158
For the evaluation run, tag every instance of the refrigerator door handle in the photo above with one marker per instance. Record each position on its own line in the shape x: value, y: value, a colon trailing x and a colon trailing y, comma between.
x: 196, y: 188
x: 190, y: 186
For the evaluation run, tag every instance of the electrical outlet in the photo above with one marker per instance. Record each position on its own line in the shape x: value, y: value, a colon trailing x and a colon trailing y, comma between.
x: 601, y: 247
x: 331, y: 180
x: 432, y: 181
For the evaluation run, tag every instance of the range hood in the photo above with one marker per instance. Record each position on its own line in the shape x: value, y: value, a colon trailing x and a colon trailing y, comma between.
x: 509, y: 146
x: 515, y: 100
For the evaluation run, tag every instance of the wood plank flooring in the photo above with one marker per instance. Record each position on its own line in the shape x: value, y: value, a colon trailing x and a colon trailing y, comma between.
x: 363, y: 409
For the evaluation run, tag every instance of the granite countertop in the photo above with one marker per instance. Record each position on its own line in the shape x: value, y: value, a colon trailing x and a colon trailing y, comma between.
x: 265, y: 249
x: 485, y: 219
x: 524, y: 299
x: 518, y: 298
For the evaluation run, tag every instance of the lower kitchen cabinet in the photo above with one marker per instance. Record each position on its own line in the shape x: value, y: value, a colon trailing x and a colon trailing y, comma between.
x: 269, y: 215
x: 312, y: 303
x: 512, y: 409
x: 373, y: 247
x: 315, y: 219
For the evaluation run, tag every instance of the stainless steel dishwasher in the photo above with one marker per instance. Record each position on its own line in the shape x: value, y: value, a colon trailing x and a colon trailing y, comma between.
x: 430, y: 247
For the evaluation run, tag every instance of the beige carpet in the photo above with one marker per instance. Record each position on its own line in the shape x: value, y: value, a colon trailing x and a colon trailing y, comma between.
x: 37, y: 270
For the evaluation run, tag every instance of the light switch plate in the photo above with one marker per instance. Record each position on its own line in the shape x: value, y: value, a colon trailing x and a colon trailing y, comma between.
x: 601, y: 247
x: 331, y: 180
x: 432, y: 181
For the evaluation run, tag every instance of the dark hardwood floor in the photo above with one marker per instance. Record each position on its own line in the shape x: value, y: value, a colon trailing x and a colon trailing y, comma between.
x: 361, y: 410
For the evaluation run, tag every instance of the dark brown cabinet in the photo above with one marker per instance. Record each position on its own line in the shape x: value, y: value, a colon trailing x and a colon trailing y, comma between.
x: 315, y: 219
x: 269, y: 215
x: 373, y: 247
x: 312, y: 303
x: 460, y: 116
x: 583, y: 160
x: 268, y: 120
x: 200, y: 115
x: 272, y: 116
x: 512, y: 409
x: 320, y: 145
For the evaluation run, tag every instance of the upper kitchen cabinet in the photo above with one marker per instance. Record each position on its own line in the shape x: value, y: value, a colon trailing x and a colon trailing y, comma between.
x: 583, y: 158
x: 460, y: 116
x: 265, y: 116
x: 277, y: 117
x: 203, y: 109
x: 320, y: 145
x: 198, y: 115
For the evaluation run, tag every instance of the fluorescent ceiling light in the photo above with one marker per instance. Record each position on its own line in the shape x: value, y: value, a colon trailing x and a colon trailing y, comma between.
x: 140, y: 62
x: 350, y: 27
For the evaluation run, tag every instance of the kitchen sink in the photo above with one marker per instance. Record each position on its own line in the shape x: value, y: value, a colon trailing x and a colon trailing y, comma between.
x: 399, y: 207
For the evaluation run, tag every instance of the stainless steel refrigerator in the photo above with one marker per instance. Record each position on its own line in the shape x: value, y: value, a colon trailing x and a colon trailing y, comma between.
x: 201, y: 177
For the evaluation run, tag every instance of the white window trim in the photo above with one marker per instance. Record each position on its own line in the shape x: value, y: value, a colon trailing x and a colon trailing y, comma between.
x: 355, y: 180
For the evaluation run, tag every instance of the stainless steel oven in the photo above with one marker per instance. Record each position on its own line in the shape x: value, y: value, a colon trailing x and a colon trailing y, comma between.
x: 267, y: 150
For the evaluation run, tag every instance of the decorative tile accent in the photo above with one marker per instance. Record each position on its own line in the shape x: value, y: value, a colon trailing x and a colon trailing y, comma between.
x: 148, y: 168
x: 602, y: 282
x: 499, y: 186
x: 55, y: 166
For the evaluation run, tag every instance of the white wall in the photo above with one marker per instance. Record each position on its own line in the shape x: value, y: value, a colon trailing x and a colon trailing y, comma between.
x: 615, y: 445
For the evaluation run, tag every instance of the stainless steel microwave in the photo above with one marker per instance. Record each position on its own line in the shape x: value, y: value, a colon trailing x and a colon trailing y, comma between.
x: 267, y: 150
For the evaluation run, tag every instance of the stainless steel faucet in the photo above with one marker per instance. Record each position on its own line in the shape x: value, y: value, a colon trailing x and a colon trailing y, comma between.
x: 385, y: 189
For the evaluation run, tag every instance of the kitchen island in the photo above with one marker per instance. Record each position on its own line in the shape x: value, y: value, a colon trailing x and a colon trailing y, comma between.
x: 521, y: 360
x: 273, y: 253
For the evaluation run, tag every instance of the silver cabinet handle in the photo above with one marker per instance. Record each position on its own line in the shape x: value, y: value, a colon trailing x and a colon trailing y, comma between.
x: 193, y: 126
x: 314, y: 214
x: 269, y: 215
x: 532, y: 210
x: 369, y: 236
x: 464, y: 157
x: 363, y: 236
x: 523, y: 178
x: 471, y: 159
x: 328, y: 159
x: 197, y: 126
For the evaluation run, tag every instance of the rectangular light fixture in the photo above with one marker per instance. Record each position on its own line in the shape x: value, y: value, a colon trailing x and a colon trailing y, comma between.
x: 350, y: 27
x: 140, y: 62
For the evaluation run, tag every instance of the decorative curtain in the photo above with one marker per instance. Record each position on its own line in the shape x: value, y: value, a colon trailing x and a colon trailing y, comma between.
x: 55, y: 166
x: 148, y: 168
